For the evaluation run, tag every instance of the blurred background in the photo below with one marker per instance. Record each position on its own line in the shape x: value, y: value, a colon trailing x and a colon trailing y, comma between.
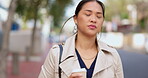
x: 28, y: 29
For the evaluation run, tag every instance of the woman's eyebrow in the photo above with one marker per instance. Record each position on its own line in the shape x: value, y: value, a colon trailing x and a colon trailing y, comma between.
x: 99, y: 13
x: 91, y: 11
x: 88, y: 10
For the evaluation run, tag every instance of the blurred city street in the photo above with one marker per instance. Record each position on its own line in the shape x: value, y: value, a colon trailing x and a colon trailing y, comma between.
x: 134, y: 65
x: 29, y: 28
x: 27, y: 69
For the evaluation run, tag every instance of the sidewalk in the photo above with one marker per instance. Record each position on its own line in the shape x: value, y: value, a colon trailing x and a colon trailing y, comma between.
x: 27, y: 69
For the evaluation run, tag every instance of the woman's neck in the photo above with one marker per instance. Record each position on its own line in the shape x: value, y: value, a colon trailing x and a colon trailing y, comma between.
x: 85, y: 42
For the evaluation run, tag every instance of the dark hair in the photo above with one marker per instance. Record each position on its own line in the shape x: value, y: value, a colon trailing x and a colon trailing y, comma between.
x: 81, y: 4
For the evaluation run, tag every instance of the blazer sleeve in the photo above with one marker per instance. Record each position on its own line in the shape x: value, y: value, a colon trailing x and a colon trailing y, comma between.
x: 48, y: 68
x: 119, y: 68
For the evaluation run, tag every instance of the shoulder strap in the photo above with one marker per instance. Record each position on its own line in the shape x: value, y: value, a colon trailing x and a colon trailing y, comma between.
x: 60, y: 55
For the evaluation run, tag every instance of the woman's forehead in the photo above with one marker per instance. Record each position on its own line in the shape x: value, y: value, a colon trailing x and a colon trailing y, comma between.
x: 92, y: 6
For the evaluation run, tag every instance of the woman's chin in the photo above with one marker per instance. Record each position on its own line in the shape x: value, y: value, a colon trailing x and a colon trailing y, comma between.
x: 91, y: 34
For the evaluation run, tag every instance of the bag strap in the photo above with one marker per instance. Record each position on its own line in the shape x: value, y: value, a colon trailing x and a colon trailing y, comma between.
x: 60, y: 55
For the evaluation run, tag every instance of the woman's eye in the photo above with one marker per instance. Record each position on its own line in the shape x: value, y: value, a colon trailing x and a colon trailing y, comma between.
x: 87, y: 14
x: 99, y: 16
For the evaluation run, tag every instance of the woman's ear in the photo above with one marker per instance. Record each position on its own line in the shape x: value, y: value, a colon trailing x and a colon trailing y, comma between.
x: 75, y: 19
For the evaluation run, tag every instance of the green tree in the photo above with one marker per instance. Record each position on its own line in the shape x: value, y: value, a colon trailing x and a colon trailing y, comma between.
x: 57, y: 10
x: 28, y: 10
x: 119, y: 7
x: 5, y: 43
x: 116, y: 8
x: 142, y: 14
x: 32, y: 11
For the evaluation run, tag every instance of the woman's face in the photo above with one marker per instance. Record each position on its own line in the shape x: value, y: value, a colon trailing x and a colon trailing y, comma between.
x: 89, y: 19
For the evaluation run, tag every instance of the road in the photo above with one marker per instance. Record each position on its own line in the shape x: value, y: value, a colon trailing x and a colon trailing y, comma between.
x: 135, y: 65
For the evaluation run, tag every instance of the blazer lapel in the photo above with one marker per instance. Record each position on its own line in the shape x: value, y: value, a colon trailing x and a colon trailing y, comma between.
x: 69, y: 58
x: 102, y: 62
x: 69, y: 65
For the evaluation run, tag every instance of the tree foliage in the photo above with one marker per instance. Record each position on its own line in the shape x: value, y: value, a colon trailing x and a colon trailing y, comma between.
x: 27, y: 8
x: 30, y: 9
x: 57, y: 10
x: 119, y: 8
x: 116, y: 8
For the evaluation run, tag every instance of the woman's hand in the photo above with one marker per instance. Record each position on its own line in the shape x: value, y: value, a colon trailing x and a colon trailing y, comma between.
x: 76, y: 75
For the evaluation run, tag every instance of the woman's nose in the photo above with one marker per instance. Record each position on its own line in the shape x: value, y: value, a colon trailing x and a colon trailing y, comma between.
x: 93, y: 19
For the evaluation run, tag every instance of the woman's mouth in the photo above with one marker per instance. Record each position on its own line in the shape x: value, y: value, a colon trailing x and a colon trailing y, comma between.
x: 92, y: 26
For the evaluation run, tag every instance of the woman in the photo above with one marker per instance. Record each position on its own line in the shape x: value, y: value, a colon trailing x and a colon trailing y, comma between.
x: 84, y: 50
